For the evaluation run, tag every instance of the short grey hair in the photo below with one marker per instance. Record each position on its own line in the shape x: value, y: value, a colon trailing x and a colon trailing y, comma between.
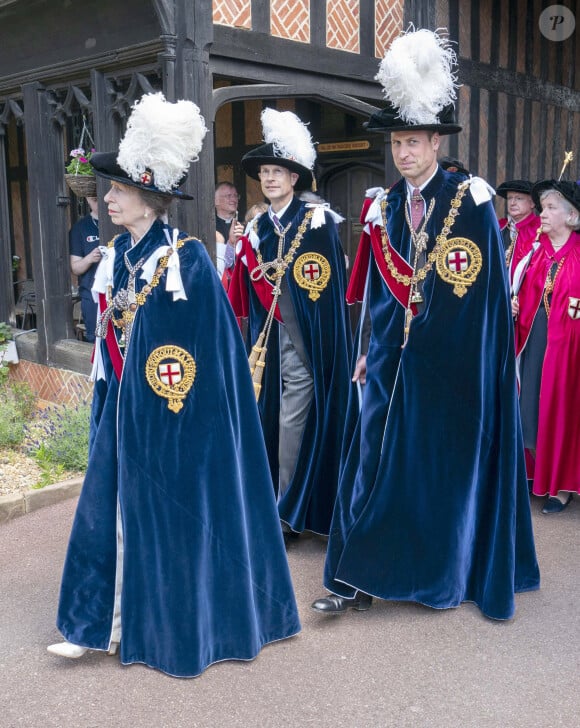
x: 568, y: 206
x: 156, y: 202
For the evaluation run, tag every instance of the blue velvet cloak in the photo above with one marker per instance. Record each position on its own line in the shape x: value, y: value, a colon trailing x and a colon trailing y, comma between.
x: 324, y: 325
x: 204, y: 570
x: 433, y: 504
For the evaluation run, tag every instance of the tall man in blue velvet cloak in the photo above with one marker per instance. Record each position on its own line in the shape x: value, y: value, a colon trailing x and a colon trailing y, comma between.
x: 432, y: 504
x: 289, y: 282
x: 176, y: 549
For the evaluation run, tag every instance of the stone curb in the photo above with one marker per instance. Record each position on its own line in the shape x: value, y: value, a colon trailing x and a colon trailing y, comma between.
x: 19, y: 504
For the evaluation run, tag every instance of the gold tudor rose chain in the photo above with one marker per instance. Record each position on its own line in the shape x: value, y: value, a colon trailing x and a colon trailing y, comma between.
x: 280, y: 265
x: 141, y: 298
x: 441, y: 239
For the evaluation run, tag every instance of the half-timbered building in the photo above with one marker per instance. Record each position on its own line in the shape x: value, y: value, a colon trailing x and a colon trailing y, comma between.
x: 65, y: 63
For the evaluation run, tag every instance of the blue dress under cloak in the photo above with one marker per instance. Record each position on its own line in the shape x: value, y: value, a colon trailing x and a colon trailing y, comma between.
x: 202, y: 575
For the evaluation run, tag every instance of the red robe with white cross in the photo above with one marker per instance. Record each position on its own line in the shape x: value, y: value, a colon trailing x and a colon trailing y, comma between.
x: 558, y: 444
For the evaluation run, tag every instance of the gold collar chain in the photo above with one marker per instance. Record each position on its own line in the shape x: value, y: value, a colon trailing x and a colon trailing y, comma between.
x: 128, y: 316
x: 550, y: 284
x: 281, y: 264
x: 441, y: 239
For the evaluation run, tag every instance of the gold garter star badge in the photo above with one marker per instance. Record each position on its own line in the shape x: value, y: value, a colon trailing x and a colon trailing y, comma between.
x: 458, y: 262
x: 170, y: 371
x: 312, y: 272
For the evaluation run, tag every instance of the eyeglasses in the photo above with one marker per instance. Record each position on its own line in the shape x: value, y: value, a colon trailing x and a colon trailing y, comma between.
x: 229, y: 195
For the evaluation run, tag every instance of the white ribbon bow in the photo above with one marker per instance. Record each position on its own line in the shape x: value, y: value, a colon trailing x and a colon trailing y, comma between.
x: 104, y: 272
x: 480, y: 190
x: 173, y: 282
x: 374, y: 214
x: 318, y: 219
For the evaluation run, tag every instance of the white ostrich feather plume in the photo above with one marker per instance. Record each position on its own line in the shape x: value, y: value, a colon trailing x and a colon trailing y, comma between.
x: 162, y: 137
x: 290, y: 137
x: 417, y: 75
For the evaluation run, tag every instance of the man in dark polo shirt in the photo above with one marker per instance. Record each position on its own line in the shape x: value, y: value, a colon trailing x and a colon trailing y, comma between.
x: 84, y: 258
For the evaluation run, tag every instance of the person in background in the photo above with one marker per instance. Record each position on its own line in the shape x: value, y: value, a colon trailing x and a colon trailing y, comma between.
x: 226, y: 216
x: 521, y: 226
x: 450, y: 164
x: 85, y: 256
x: 176, y: 552
x: 432, y: 505
x: 547, y: 316
x: 289, y: 282
x: 254, y: 211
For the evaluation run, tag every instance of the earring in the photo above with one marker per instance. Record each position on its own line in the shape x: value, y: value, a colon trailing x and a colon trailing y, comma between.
x: 146, y: 214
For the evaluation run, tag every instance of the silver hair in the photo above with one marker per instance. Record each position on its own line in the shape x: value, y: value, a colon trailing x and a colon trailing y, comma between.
x: 568, y: 206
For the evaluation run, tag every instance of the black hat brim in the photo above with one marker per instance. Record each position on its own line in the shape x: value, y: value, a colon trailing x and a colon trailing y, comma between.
x: 106, y: 166
x: 265, y: 154
x: 515, y: 185
x: 569, y: 191
x: 388, y: 119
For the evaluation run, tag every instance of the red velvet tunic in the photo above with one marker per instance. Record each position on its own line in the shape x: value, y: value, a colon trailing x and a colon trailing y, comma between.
x: 558, y: 445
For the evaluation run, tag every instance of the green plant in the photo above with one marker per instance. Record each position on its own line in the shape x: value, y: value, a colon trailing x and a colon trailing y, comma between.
x: 5, y: 337
x: 80, y: 163
x: 17, y: 407
x: 12, y: 421
x: 49, y: 472
x: 61, y: 436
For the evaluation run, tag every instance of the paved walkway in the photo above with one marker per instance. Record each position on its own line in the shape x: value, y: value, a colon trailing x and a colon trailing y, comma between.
x: 397, y: 665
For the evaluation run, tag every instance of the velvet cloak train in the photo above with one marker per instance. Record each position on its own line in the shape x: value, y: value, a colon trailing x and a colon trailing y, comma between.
x: 433, y: 504
x: 176, y: 523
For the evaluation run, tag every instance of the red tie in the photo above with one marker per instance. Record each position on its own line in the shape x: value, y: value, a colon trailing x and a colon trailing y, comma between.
x: 416, y: 208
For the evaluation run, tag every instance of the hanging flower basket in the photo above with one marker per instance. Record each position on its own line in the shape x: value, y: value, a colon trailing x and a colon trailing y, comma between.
x: 83, y: 185
x: 80, y: 176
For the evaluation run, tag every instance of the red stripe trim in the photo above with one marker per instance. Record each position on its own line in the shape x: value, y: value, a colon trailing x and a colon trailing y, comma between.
x: 111, y: 341
x: 399, y: 290
x: 262, y: 287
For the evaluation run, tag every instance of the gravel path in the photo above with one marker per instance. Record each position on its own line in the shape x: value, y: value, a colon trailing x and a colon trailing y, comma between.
x: 18, y: 472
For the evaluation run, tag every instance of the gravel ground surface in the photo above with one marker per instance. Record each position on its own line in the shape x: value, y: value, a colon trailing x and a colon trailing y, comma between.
x: 18, y: 472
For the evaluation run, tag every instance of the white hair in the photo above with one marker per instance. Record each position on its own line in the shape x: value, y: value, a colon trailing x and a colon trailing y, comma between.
x: 574, y: 223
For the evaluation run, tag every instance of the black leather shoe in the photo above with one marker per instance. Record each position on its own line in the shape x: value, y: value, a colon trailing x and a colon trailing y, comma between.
x: 555, y: 505
x: 333, y: 604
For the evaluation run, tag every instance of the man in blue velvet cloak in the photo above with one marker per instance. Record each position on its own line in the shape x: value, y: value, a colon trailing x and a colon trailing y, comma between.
x: 432, y: 504
x: 290, y: 281
x: 176, y: 549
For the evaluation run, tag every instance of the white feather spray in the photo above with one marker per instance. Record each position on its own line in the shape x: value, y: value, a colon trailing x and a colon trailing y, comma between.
x: 417, y: 75
x: 162, y: 137
x: 290, y: 137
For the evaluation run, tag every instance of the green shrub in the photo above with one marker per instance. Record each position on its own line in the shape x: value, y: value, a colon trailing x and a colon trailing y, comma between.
x: 17, y: 407
x: 61, y: 436
x: 12, y: 420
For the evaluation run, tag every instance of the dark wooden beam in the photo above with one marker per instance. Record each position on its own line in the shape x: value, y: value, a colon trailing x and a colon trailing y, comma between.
x: 492, y: 78
x: 6, y: 287
x: 48, y: 221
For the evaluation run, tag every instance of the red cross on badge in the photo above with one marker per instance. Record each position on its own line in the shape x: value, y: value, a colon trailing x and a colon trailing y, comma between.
x: 311, y: 271
x: 457, y: 261
x: 170, y: 373
x: 574, y: 307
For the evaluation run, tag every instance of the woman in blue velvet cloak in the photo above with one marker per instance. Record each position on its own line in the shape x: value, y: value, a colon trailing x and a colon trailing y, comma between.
x: 176, y: 550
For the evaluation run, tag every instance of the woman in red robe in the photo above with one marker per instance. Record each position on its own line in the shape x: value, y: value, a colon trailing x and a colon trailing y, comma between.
x: 547, y: 311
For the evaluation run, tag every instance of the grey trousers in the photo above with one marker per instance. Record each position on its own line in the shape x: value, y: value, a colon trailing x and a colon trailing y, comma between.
x: 296, y: 399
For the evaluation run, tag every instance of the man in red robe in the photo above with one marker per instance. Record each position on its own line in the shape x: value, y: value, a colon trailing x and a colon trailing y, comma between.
x: 521, y: 226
